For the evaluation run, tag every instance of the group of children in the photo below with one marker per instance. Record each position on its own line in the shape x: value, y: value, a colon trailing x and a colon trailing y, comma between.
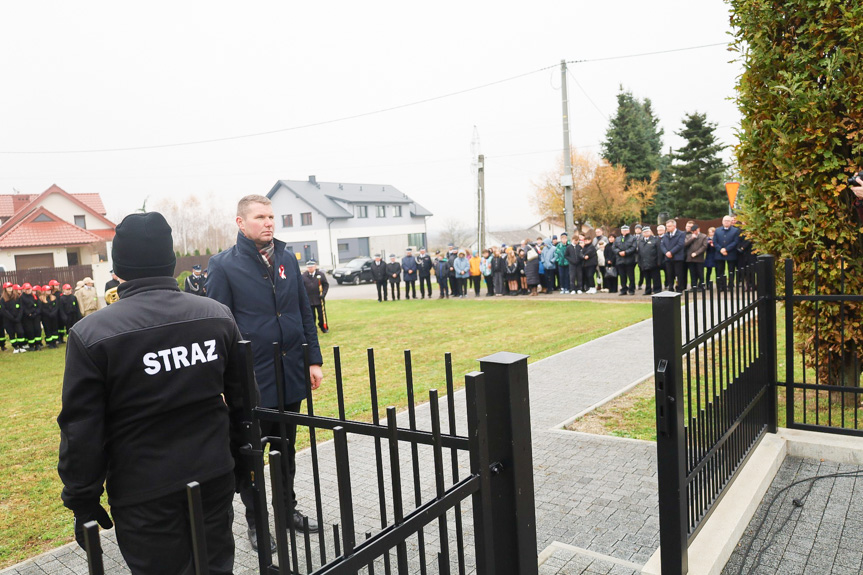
x: 27, y: 311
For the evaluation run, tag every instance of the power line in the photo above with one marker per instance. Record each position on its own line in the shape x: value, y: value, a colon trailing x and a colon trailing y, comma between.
x: 281, y: 130
x: 647, y: 53
x: 354, y: 116
x: 586, y: 95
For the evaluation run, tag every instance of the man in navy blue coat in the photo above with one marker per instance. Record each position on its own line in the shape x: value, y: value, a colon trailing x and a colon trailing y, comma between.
x: 409, y: 271
x: 672, y: 246
x: 261, y: 283
x: 725, y: 241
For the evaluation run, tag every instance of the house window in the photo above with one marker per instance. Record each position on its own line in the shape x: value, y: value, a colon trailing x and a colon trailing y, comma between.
x: 81, y: 222
x: 397, y: 211
x: 306, y: 218
x: 362, y: 211
x: 343, y: 248
x: 382, y: 211
x: 288, y: 221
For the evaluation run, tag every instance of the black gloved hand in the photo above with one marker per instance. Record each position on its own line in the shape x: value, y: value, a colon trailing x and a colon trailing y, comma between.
x: 97, y: 514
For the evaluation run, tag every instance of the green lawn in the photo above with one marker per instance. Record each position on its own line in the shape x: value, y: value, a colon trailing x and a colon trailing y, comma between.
x: 32, y: 518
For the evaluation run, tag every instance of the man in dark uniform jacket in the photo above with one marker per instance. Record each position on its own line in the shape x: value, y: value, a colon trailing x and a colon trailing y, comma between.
x: 673, y: 246
x: 649, y: 259
x: 152, y: 401
x: 195, y: 283
x: 379, y: 274
x: 625, y: 248
x: 409, y: 267
x: 393, y: 270
x: 260, y: 281
x: 317, y: 287
x: 424, y: 266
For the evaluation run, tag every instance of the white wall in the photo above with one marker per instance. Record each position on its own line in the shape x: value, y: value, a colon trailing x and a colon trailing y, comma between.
x: 62, y: 207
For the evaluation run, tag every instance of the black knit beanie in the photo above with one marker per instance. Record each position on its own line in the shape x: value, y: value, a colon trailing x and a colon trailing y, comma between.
x: 143, y: 247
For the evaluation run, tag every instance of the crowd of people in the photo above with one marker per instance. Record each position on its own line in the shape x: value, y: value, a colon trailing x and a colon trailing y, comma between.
x: 668, y: 259
x: 34, y: 316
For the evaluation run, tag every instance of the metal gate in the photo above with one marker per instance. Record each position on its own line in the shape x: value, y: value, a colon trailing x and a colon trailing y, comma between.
x: 715, y: 357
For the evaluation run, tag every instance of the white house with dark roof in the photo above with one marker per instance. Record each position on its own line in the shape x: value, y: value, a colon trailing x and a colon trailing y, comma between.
x: 334, y: 223
x: 52, y: 229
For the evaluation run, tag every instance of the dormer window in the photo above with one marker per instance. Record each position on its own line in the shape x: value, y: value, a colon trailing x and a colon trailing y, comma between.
x: 362, y: 211
x: 397, y: 211
x: 382, y: 211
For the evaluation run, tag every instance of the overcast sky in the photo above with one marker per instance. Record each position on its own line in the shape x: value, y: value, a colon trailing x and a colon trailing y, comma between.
x: 110, y: 75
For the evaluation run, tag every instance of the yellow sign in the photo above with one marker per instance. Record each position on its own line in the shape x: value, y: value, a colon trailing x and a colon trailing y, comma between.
x: 731, y: 189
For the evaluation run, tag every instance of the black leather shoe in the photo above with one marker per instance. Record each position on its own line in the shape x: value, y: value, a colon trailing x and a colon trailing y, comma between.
x: 253, y: 539
x: 325, y: 330
x: 298, y: 523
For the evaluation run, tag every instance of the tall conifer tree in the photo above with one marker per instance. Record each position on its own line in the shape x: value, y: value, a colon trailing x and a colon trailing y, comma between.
x: 634, y: 138
x: 695, y: 187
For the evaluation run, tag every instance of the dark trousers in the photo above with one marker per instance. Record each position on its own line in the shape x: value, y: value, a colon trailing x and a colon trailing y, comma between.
x: 550, y: 278
x: 652, y: 281
x: 442, y: 286
x: 396, y: 289
x: 453, y: 284
x: 410, y: 286
x: 319, y: 311
x: 575, y: 277
x: 32, y: 330
x: 696, y: 273
x: 726, y: 268
x: 382, y: 289
x: 640, y: 275
x: 289, y: 463
x: 16, y: 334
x: 477, y: 284
x: 425, y: 281
x: 709, y: 273
x: 627, y: 277
x: 674, y: 271
x: 461, y: 287
x: 563, y: 275
x: 588, y: 275
x: 498, y: 279
x: 155, y: 537
x: 489, y: 285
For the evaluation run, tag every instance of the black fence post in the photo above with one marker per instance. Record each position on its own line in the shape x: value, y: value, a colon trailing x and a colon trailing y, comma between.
x: 670, y: 438
x: 196, y: 521
x: 789, y: 344
x: 766, y: 285
x: 511, y: 458
x: 93, y: 547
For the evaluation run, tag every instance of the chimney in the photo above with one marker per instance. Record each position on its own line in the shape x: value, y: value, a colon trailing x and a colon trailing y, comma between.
x: 19, y: 201
x: 313, y: 180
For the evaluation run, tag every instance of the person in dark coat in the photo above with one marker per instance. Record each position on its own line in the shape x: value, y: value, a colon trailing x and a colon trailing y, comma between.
x: 588, y: 270
x: 194, y: 283
x: 625, y: 248
x: 152, y: 400
x: 498, y: 271
x: 424, y: 267
x: 650, y: 259
x: 725, y: 241
x: 409, y: 270
x: 11, y: 312
x: 442, y: 272
x: 696, y: 247
x: 379, y: 274
x: 393, y: 271
x: 531, y: 268
x: 710, y: 257
x: 673, y: 246
x: 69, y: 312
x: 744, y: 259
x: 317, y: 287
x: 260, y: 282
x: 572, y: 254
x: 610, y: 280
x: 32, y: 319
x: 49, y: 309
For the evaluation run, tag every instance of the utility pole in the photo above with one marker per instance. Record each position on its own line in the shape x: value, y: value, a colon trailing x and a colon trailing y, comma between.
x: 566, y: 180
x: 480, y: 193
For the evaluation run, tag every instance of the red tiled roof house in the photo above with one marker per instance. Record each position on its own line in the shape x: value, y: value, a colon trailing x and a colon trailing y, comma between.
x: 52, y: 229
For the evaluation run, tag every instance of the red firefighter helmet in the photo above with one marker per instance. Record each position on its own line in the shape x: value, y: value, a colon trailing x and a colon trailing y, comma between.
x: 16, y: 287
x: 53, y: 283
x: 67, y: 286
x: 8, y: 285
x: 46, y: 288
x: 26, y: 286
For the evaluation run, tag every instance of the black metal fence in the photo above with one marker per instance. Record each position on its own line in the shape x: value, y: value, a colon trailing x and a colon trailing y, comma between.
x: 499, y: 485
x: 822, y: 378
x: 715, y: 358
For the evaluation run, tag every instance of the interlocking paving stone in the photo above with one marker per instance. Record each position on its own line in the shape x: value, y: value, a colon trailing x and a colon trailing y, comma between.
x: 823, y: 536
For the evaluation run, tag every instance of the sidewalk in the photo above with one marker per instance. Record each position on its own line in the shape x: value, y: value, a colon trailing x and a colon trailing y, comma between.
x: 596, y: 498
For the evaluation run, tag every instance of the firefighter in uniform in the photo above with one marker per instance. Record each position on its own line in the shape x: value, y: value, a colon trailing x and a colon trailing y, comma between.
x: 195, y: 282
x: 152, y: 401
x: 393, y: 271
x: 317, y: 287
